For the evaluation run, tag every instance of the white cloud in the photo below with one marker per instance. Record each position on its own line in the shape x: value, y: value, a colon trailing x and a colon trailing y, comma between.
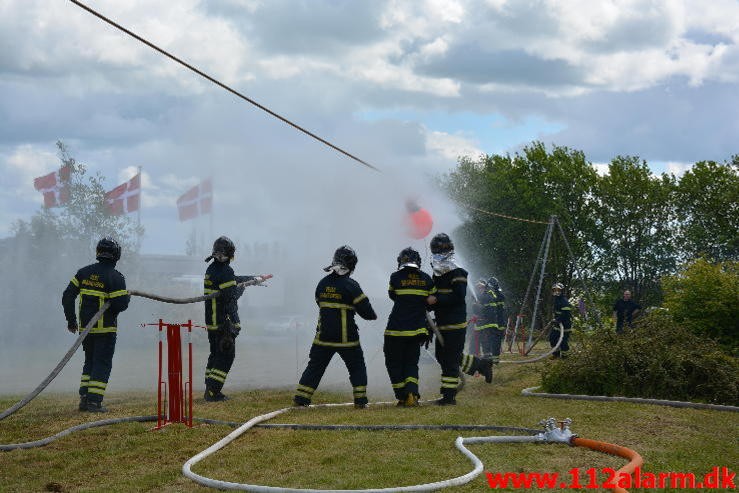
x: 450, y: 146
x: 677, y: 168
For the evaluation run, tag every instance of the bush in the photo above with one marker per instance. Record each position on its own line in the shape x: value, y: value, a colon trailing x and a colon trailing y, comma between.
x: 657, y: 359
x: 704, y: 298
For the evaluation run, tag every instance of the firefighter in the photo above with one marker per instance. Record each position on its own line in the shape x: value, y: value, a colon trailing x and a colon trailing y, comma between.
x: 338, y: 297
x: 450, y: 310
x: 221, y: 316
x: 96, y: 284
x: 485, y: 318
x: 498, y: 333
x: 562, y: 315
x: 410, y: 289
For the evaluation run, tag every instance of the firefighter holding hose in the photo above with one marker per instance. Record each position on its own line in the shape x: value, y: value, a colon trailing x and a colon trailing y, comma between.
x: 97, y: 284
x: 221, y: 316
x: 563, y: 316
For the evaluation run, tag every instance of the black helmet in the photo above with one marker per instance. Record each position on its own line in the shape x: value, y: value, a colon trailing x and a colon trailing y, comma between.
x: 344, y: 256
x: 493, y: 283
x: 108, y: 248
x: 441, y: 243
x: 223, y: 250
x: 409, y: 256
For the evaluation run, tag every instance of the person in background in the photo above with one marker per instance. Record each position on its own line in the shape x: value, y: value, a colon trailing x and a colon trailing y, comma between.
x: 624, y: 311
x: 97, y: 284
x: 563, y: 316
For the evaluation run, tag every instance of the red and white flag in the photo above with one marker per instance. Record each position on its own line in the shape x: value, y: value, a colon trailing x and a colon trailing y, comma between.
x: 196, y: 201
x: 125, y: 198
x: 54, y: 186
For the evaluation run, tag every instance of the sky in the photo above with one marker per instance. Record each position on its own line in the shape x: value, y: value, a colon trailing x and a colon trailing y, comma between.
x: 406, y: 86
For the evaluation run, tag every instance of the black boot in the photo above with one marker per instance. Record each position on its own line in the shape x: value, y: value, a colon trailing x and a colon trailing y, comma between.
x: 96, y: 407
x: 485, y: 367
x: 83, y: 403
x: 214, y: 396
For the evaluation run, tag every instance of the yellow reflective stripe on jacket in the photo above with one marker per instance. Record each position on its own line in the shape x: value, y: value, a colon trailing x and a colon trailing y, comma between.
x: 318, y: 342
x: 461, y: 325
x: 326, y: 304
x: 443, y: 290
x: 459, y: 279
x: 75, y: 281
x: 227, y: 284
x: 93, y: 292
x: 433, y: 290
x: 209, y: 291
x: 487, y: 326
x: 116, y: 294
x: 359, y: 298
x: 420, y: 292
x: 406, y: 333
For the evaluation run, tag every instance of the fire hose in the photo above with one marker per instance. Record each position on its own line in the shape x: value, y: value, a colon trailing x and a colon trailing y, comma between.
x: 531, y: 392
x: 540, y: 357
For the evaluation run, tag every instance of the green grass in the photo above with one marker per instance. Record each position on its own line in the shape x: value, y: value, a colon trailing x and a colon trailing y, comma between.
x: 130, y: 457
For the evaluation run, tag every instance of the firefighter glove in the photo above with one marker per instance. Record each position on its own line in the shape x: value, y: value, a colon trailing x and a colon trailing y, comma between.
x: 72, y: 327
x: 226, y: 344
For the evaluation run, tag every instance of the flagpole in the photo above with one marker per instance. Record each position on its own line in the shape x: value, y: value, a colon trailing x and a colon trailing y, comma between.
x: 138, y: 212
x: 211, y: 208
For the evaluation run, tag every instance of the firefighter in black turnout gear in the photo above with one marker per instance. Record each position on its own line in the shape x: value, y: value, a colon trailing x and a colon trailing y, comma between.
x: 501, y: 320
x: 406, y: 330
x: 221, y: 316
x: 562, y: 315
x: 450, y: 311
x: 338, y: 297
x: 97, y: 284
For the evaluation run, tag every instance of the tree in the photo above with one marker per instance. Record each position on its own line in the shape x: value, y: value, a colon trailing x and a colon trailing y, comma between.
x: 708, y: 204
x: 44, y: 251
x: 635, y: 215
x: 534, y: 184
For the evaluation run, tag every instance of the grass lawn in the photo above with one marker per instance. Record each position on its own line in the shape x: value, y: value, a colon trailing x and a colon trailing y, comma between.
x: 130, y: 457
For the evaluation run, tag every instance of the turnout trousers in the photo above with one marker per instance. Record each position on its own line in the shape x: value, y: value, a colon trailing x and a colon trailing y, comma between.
x: 449, y: 357
x: 319, y: 358
x: 554, y: 337
x: 494, y: 343
x: 99, y: 349
x: 219, y: 363
x: 401, y: 361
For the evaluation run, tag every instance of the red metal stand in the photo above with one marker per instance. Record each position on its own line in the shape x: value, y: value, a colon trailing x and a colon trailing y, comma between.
x: 172, y: 395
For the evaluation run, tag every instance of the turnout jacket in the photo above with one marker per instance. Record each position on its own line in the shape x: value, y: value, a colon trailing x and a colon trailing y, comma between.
x: 338, y: 298
x: 500, y: 312
x: 95, y: 284
x: 487, y: 311
x: 563, y: 311
x: 220, y: 277
x: 451, y: 306
x: 409, y: 288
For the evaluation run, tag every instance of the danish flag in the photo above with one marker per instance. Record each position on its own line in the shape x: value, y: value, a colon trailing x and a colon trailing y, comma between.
x: 125, y: 198
x: 196, y: 201
x: 54, y: 186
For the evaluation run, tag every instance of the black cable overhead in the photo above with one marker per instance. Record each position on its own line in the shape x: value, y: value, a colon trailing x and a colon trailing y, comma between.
x: 221, y: 84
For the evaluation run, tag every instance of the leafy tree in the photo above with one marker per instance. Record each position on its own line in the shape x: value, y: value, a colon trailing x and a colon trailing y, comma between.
x: 44, y: 251
x: 534, y: 184
x: 708, y: 204
x: 704, y: 297
x: 637, y: 222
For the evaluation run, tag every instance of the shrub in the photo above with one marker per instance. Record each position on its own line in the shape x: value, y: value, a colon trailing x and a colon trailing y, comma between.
x: 704, y: 298
x: 657, y: 359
